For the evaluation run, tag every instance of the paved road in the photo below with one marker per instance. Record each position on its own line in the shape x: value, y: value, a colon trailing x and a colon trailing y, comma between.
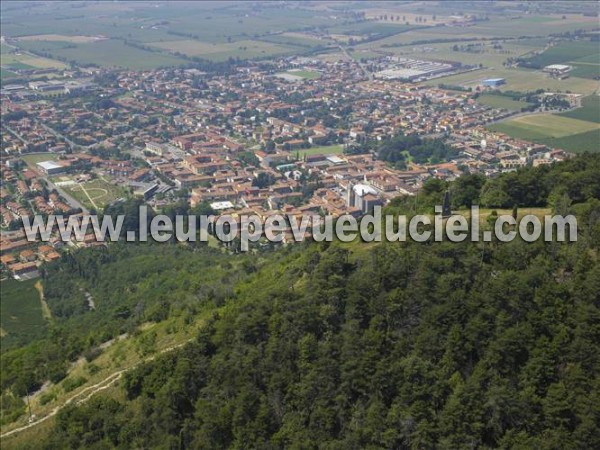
x: 60, y: 135
x: 17, y: 135
x: 368, y: 74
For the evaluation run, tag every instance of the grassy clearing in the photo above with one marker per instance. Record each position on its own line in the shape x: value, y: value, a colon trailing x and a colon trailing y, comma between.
x: 498, y: 101
x: 590, y: 110
x: 324, y: 150
x: 21, y: 312
x: 96, y: 193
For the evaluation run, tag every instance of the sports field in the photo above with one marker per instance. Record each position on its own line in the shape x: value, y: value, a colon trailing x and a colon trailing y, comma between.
x: 32, y: 159
x: 21, y: 315
x: 324, y: 150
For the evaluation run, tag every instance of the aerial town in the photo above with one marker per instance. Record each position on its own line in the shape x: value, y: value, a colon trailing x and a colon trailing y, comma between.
x: 294, y: 135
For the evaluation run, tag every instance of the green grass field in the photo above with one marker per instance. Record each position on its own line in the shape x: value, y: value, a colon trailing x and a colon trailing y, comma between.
x: 324, y: 150
x: 498, y: 101
x: 96, y: 194
x: 21, y: 315
x: 590, y: 110
x: 32, y: 159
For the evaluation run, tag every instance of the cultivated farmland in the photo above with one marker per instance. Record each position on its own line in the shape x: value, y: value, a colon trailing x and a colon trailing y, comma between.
x: 590, y: 110
x: 553, y: 130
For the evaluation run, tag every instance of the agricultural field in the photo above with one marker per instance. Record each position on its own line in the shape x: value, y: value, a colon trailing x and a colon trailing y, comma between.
x: 7, y: 74
x: 553, y: 130
x: 96, y: 194
x: 147, y: 22
x: 247, y: 49
x: 62, y: 38
x: 370, y: 29
x: 519, y: 80
x: 582, y: 55
x: 586, y: 70
x: 21, y: 314
x: 488, y: 53
x: 11, y: 59
x: 590, y: 110
x: 577, y: 143
x: 499, y: 101
x: 541, y: 126
x: 492, y: 55
x: 497, y: 27
x: 295, y: 39
x: 104, y: 53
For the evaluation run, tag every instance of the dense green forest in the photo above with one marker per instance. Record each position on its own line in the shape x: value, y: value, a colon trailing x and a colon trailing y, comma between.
x: 394, y: 345
x: 400, y: 148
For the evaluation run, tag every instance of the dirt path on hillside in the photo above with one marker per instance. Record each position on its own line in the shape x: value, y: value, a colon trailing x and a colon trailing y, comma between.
x: 46, y: 313
x: 87, y: 393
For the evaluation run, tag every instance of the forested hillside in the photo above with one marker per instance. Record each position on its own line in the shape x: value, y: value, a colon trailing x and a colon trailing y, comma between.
x: 403, y: 346
x: 349, y: 346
